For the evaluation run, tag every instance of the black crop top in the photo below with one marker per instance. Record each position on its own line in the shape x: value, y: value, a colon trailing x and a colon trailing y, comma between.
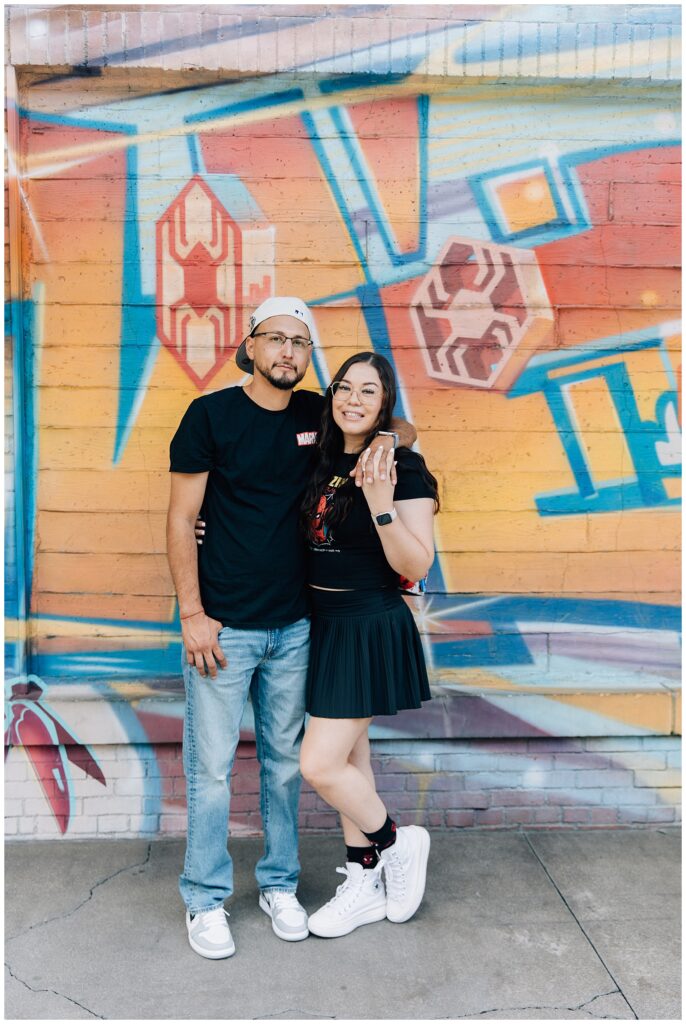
x: 350, y: 556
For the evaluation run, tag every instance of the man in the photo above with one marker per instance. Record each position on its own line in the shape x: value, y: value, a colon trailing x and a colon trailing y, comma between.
x: 245, y: 454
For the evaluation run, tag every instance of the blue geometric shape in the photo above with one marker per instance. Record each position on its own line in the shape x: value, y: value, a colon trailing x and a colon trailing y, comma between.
x: 136, y: 362
x: 482, y: 184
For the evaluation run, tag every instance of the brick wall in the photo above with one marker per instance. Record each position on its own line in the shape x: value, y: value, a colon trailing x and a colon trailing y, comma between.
x: 562, y: 783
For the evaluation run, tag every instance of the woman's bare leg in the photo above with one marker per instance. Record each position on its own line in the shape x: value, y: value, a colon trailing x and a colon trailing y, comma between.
x: 361, y: 757
x: 324, y: 762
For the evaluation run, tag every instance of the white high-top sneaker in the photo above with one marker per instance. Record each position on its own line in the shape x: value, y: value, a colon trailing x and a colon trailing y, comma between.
x: 361, y: 899
x: 405, y: 871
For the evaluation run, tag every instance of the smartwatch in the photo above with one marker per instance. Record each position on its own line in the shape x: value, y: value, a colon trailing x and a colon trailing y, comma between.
x: 385, y: 517
x: 389, y: 433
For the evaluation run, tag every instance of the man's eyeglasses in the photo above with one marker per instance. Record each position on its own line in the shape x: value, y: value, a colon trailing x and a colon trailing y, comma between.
x: 342, y: 391
x: 277, y: 340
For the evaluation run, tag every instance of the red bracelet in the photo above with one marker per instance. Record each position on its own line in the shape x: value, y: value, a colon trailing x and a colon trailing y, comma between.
x: 182, y: 617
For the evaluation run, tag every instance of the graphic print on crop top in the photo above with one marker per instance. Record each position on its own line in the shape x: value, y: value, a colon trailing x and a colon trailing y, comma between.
x: 320, y: 534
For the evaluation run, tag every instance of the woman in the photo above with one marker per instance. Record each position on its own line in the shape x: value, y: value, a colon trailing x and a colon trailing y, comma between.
x: 365, y: 655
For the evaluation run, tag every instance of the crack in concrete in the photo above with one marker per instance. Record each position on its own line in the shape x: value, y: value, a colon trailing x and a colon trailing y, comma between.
x: 515, y: 1009
x: 52, y: 991
x: 69, y: 913
x: 579, y: 924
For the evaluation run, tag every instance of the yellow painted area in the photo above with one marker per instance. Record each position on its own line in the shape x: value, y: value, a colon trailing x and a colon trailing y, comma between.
x: 526, y: 203
x: 651, y: 711
x: 594, y: 412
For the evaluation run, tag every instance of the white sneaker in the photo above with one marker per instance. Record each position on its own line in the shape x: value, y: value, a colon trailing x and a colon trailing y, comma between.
x: 289, y: 918
x: 405, y: 871
x: 209, y: 934
x: 361, y: 899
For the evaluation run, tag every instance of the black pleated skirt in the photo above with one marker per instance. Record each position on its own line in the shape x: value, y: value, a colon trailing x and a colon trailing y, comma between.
x: 366, y: 655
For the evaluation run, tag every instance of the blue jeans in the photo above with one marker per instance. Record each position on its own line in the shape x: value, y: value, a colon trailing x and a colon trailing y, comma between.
x: 271, y: 665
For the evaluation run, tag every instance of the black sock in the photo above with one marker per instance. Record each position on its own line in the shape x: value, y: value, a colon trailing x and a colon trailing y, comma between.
x: 384, y: 837
x: 364, y: 855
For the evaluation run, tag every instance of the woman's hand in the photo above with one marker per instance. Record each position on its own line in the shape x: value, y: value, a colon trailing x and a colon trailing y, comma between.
x: 379, y: 493
x: 199, y: 530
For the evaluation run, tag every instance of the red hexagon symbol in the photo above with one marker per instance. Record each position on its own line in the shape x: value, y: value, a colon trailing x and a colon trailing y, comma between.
x: 480, y: 313
x: 199, y: 281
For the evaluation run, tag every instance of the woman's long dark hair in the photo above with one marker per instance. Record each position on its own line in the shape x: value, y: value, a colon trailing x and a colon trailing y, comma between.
x: 330, y: 446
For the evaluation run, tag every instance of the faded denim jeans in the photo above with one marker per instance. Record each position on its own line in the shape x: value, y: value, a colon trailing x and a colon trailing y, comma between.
x: 270, y: 665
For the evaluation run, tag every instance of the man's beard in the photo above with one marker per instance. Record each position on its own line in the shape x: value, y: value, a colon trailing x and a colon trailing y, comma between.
x: 282, y: 383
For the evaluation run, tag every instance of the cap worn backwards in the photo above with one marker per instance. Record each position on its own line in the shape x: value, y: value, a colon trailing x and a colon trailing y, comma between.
x: 277, y: 305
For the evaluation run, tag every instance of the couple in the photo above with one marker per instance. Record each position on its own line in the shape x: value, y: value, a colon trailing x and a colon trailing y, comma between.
x: 297, y: 489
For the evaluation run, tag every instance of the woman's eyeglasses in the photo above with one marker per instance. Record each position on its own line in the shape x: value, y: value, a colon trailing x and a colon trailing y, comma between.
x: 276, y: 340
x: 342, y: 391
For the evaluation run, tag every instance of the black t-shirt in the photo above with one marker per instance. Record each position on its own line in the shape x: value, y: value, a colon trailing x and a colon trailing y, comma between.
x: 251, y: 565
x: 350, y: 556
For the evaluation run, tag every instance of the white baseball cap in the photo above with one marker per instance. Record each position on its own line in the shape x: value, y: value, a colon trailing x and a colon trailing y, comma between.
x: 277, y: 305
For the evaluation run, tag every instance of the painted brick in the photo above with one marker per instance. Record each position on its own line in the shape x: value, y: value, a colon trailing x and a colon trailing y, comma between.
x: 465, y: 761
x: 148, y: 824
x: 604, y: 777
x: 547, y: 815
x: 321, y: 820
x: 113, y: 823
x: 553, y: 746
x: 459, y: 819
x: 15, y: 769
x: 13, y: 808
x: 459, y: 799
x: 492, y: 816
x: 614, y: 743
x: 603, y: 815
x: 173, y: 823
x: 519, y: 816
x: 245, y: 783
x: 519, y: 797
x: 621, y: 797
x: 657, y: 779
x: 111, y: 805
x: 422, y: 782
x: 11, y: 826
x: 576, y: 815
x: 392, y: 783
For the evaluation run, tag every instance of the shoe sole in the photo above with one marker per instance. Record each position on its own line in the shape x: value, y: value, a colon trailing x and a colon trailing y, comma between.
x: 282, y: 935
x: 421, y: 881
x: 369, y: 917
x: 207, y: 955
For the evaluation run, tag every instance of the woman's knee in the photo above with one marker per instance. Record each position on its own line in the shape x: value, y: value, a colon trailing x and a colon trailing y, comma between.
x: 315, y: 768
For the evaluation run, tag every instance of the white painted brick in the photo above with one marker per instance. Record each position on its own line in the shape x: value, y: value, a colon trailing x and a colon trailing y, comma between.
x: 124, y: 770
x: 130, y: 787
x: 641, y: 759
x: 93, y: 805
x: 14, y: 808
x: 674, y: 758
x: 11, y: 826
x: 82, y: 826
x: 16, y: 767
x: 113, y: 823
x: 615, y: 743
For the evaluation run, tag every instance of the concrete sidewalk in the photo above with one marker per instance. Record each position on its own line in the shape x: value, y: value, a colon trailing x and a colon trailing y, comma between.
x: 538, y: 925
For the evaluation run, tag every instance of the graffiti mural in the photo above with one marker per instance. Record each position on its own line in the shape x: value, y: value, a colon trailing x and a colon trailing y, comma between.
x: 513, y: 248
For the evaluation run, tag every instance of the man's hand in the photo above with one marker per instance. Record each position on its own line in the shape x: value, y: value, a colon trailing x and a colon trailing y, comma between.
x: 367, y: 464
x: 199, y: 633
